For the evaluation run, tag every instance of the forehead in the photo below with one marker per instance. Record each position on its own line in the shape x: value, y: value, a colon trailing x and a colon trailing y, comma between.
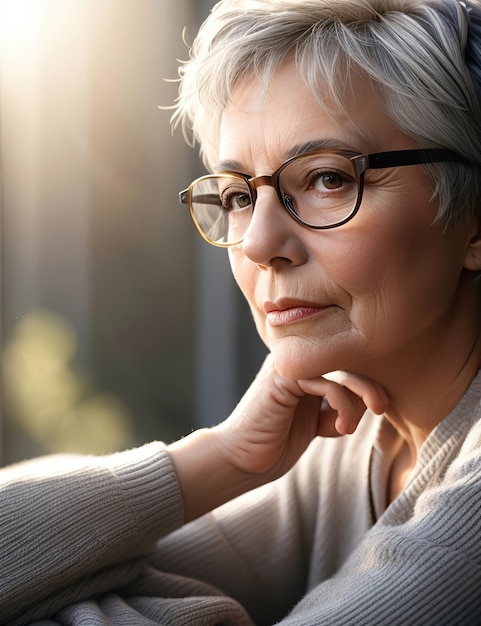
x: 262, y: 124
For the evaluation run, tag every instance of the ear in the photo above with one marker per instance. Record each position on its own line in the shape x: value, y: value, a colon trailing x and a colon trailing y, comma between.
x: 472, y: 259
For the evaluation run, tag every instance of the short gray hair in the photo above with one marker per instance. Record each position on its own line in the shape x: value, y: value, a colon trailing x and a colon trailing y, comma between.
x: 424, y: 55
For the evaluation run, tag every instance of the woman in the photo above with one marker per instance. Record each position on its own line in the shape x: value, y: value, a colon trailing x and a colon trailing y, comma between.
x: 344, y: 144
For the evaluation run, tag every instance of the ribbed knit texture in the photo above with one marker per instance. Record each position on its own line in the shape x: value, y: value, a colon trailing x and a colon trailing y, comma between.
x: 78, y: 540
x: 65, y: 518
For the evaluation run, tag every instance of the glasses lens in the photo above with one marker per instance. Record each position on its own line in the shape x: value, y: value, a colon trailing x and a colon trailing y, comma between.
x: 222, y: 208
x: 321, y: 189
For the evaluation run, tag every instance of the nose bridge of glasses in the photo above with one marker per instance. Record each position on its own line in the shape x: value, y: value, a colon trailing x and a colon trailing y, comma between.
x: 259, y: 181
x: 267, y: 180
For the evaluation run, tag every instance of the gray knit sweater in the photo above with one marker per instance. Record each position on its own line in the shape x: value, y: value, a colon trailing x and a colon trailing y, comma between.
x: 99, y: 541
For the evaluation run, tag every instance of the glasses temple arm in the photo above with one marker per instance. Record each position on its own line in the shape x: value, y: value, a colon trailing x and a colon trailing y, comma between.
x: 205, y: 198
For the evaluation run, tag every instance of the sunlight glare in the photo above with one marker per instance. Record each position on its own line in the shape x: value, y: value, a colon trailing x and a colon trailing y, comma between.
x: 20, y: 22
x: 20, y: 26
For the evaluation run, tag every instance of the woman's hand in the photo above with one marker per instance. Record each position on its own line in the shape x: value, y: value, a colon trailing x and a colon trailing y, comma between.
x: 267, y: 432
x: 277, y: 418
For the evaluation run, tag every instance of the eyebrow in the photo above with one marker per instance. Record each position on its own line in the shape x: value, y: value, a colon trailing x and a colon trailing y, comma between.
x: 301, y: 148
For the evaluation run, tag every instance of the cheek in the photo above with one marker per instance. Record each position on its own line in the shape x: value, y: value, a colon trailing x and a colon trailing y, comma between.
x: 239, y: 268
x: 397, y: 276
x: 248, y: 276
x: 355, y: 260
x: 245, y: 273
x: 391, y: 238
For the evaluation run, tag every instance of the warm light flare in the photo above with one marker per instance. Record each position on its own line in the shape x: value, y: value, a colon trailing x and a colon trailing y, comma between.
x: 21, y: 23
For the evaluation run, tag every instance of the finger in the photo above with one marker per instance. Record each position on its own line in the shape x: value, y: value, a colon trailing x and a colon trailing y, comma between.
x: 373, y: 395
x: 326, y: 426
x: 343, y: 411
x: 349, y: 407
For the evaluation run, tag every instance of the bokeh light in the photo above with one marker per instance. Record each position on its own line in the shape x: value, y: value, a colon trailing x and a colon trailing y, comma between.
x: 50, y: 399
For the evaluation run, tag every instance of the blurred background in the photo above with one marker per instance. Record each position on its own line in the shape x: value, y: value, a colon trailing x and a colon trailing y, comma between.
x: 119, y: 325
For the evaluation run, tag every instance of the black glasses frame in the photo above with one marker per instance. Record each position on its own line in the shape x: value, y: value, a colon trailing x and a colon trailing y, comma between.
x: 361, y: 163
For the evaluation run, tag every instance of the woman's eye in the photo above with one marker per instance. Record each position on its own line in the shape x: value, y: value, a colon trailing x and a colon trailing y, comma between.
x: 328, y: 181
x: 234, y: 201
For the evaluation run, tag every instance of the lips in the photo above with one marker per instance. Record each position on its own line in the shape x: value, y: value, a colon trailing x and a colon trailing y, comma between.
x: 290, y: 311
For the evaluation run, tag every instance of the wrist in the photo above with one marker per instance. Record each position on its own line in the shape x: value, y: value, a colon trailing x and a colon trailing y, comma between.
x: 206, y: 477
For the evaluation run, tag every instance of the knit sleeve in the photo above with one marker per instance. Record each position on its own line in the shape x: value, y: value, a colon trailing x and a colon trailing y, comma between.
x: 64, y: 518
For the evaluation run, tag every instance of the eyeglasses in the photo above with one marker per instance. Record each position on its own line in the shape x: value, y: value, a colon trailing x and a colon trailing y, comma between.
x: 320, y: 190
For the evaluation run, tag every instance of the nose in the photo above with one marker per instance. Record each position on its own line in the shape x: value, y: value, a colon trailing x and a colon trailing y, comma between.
x: 272, y: 236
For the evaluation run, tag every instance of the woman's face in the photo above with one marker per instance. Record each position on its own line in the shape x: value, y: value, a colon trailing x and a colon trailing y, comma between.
x: 370, y: 296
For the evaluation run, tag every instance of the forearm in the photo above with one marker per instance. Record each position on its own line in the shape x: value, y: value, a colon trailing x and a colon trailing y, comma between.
x: 64, y: 518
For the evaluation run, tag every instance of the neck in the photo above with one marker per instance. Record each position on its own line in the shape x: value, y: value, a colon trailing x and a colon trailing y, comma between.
x: 431, y: 377
x: 421, y: 401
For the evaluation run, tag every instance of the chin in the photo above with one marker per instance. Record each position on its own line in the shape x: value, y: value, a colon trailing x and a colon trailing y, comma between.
x: 312, y: 353
x: 301, y: 367
x: 303, y: 358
